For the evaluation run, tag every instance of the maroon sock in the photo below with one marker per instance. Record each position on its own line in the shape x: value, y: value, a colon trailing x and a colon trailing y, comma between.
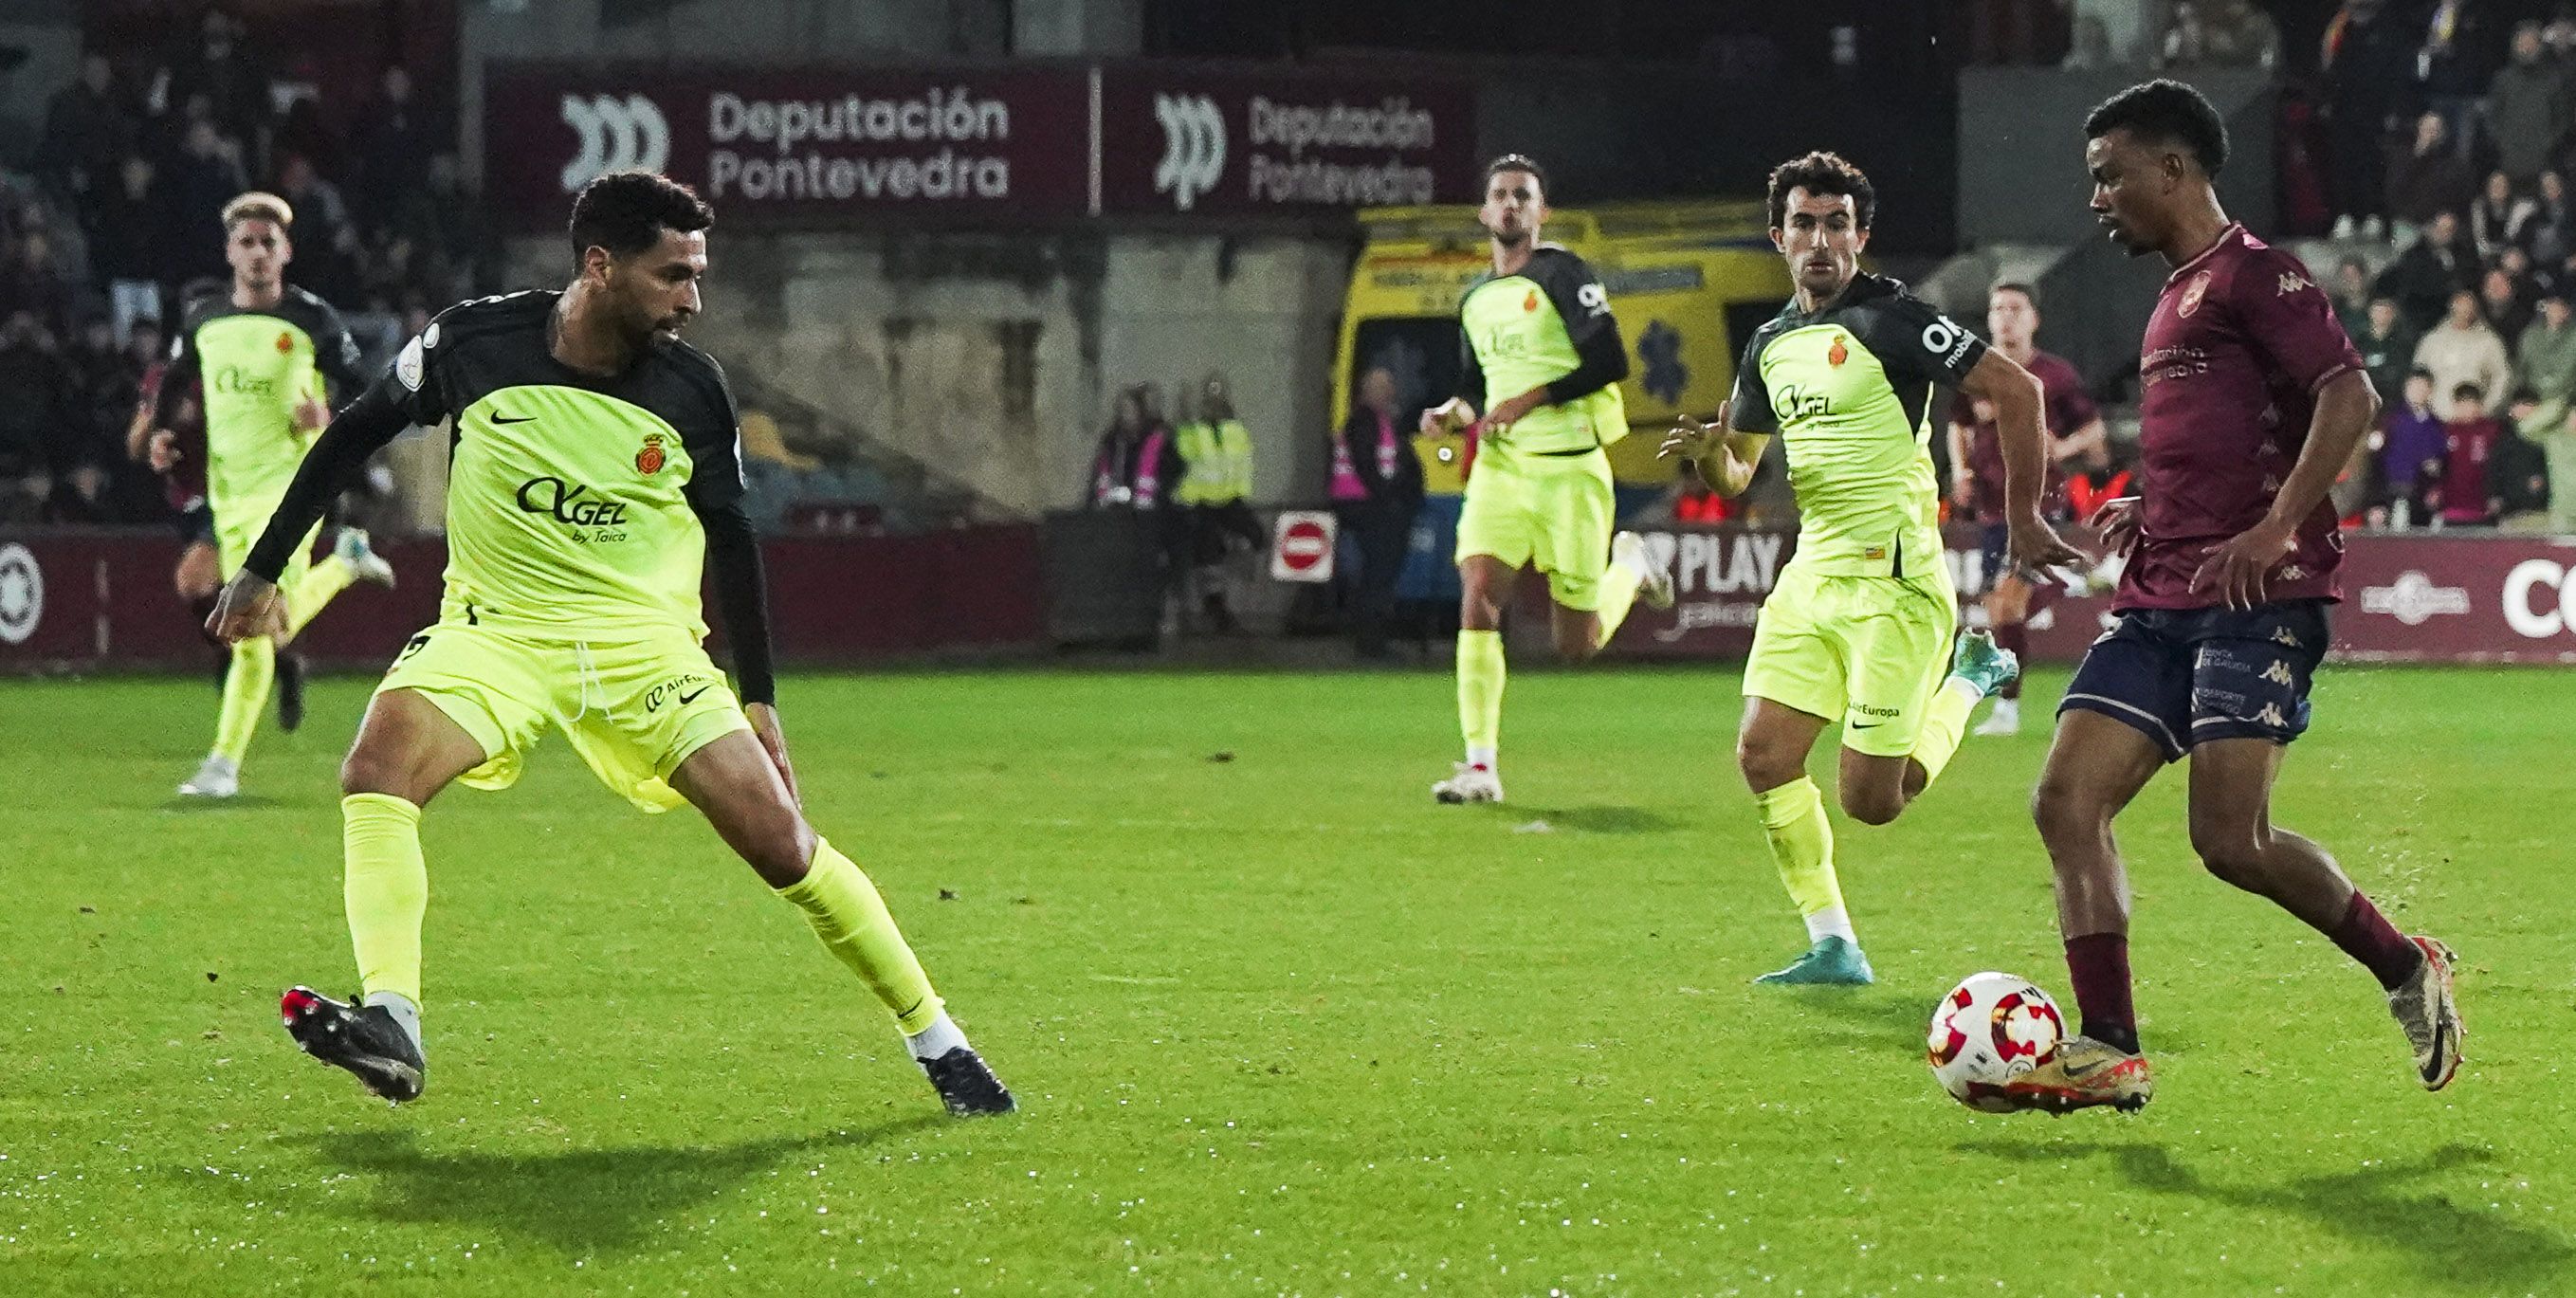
x: 2367, y: 936
x: 2098, y: 963
x: 2016, y: 637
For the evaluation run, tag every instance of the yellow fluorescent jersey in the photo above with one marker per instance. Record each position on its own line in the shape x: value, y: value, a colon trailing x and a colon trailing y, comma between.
x: 1849, y: 392
x: 255, y: 365
x: 573, y: 501
x: 1546, y: 325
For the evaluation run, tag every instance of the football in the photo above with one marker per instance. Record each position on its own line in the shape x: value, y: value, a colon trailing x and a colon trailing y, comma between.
x: 1991, y: 1028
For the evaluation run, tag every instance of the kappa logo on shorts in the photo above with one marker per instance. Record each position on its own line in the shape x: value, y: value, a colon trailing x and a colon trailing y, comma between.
x: 2283, y: 635
x: 2279, y: 673
x: 2270, y: 715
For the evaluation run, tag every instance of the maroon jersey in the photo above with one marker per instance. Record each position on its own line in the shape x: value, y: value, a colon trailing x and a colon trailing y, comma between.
x: 2240, y: 342
x: 2467, y: 445
x: 2065, y: 408
x: 184, y: 482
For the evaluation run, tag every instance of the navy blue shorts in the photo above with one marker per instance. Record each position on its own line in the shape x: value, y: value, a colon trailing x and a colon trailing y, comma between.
x: 1994, y: 541
x: 2187, y: 676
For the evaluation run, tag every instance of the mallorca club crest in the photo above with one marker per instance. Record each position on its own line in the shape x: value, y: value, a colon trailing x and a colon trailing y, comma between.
x: 285, y: 343
x: 649, y: 461
x: 1836, y: 355
x: 2191, y: 295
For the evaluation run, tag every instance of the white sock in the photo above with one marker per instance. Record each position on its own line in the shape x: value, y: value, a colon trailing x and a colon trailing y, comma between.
x: 936, y: 1040
x: 1832, y: 921
x: 2006, y: 710
x: 1483, y: 757
x: 405, y: 1013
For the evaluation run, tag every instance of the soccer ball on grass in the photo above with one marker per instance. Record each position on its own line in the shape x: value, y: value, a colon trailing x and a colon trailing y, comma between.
x: 1990, y: 1029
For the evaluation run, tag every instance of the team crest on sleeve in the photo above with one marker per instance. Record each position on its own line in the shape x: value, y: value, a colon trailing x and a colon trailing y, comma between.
x: 649, y: 461
x: 2192, y: 294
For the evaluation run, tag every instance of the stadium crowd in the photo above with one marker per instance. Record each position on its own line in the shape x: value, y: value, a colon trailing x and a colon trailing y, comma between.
x: 113, y: 225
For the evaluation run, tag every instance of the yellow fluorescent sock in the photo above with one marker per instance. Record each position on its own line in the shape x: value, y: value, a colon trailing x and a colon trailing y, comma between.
x: 245, y: 696
x: 1480, y: 688
x: 322, y: 583
x: 851, y: 918
x: 386, y: 889
x: 1619, y: 584
x: 1945, y: 718
x: 1802, y: 844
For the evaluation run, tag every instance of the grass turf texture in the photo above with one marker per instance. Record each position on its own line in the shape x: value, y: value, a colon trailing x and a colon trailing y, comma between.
x: 1278, y: 1023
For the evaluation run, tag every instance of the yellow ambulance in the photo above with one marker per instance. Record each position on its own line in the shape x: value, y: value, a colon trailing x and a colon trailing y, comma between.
x: 1690, y: 282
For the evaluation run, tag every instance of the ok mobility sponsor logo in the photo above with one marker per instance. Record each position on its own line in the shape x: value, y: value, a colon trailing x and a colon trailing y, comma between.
x: 1196, y: 144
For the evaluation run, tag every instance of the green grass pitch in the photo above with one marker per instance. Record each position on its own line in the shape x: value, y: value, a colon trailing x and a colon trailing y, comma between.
x: 1278, y: 1023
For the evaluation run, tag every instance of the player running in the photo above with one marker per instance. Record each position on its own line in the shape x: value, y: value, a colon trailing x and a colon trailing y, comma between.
x: 1859, y: 628
x: 1542, y: 355
x: 595, y: 475
x: 259, y: 354
x: 1977, y: 474
x: 2253, y: 400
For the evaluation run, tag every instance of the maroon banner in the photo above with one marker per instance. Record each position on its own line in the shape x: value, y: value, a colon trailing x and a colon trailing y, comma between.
x: 794, y: 146
x: 1207, y: 140
x: 2407, y: 598
x: 91, y: 599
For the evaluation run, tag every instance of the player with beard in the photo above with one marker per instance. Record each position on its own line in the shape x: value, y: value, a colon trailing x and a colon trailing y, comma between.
x: 1858, y: 629
x: 1542, y: 356
x: 595, y: 479
x: 2253, y: 399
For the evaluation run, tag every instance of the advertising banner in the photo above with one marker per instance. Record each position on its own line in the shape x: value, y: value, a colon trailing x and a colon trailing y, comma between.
x: 1176, y: 141
x: 793, y: 146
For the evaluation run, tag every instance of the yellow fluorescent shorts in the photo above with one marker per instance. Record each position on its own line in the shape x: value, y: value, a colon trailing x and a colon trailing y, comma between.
x: 233, y: 545
x: 1553, y: 512
x: 634, y: 709
x: 1867, y: 650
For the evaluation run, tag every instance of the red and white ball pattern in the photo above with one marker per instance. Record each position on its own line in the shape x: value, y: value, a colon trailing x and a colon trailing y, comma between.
x: 1991, y: 1028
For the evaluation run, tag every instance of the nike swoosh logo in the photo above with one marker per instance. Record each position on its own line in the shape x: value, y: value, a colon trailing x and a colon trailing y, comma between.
x: 1867, y: 725
x: 2075, y: 1074
x: 692, y: 696
x: 508, y: 419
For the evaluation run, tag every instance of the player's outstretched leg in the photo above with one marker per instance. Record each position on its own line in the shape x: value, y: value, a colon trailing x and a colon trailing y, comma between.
x: 2008, y: 611
x: 1771, y: 750
x: 2231, y: 829
x: 1631, y: 576
x: 1978, y: 668
x: 734, y: 783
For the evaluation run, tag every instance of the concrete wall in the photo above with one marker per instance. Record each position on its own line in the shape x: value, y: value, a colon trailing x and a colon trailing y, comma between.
x: 994, y: 357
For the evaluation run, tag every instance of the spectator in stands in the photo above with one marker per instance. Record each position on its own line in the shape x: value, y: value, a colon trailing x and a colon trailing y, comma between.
x: 130, y: 241
x: 326, y: 243
x: 2530, y: 106
x: 2423, y: 277
x: 225, y: 70
x: 2352, y: 295
x: 2367, y: 60
x: 31, y: 281
x: 2463, y: 496
x: 2498, y: 218
x: 33, y: 417
x: 201, y: 177
x: 2410, y: 452
x: 2507, y: 304
x: 2429, y: 176
x: 392, y: 143
x: 2387, y: 346
x: 2545, y: 367
x: 2551, y: 232
x: 2452, y: 67
x: 87, y: 126
x: 2464, y: 352
x: 2219, y: 33
x: 1377, y: 486
x: 2534, y: 282
x: 2518, y: 474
